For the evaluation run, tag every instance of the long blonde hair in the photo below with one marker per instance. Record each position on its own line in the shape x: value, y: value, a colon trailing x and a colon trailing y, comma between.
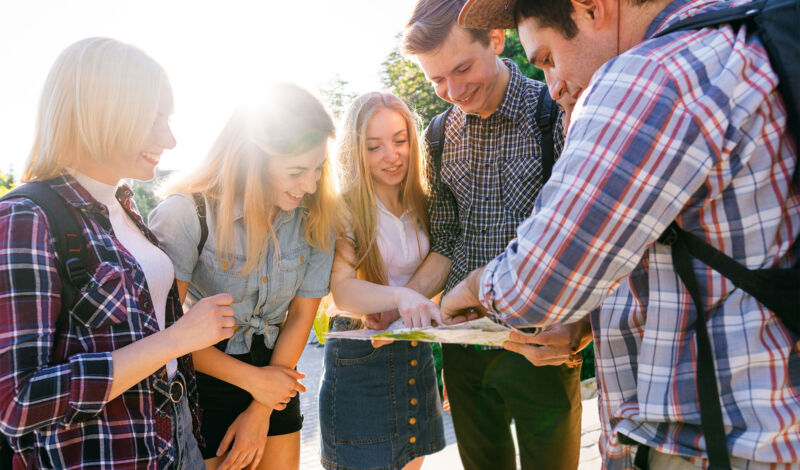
x: 356, y: 182
x: 290, y: 122
x: 99, y: 102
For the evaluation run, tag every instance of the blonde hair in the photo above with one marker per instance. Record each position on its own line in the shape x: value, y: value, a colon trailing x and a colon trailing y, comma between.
x: 358, y: 192
x: 290, y: 123
x: 99, y: 102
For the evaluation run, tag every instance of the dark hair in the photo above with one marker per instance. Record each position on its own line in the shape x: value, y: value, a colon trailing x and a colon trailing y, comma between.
x: 555, y: 14
x: 430, y: 24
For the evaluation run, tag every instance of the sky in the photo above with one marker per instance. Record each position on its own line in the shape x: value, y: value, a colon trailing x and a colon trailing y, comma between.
x: 217, y: 54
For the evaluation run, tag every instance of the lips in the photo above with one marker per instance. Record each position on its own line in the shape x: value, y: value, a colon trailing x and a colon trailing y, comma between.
x: 295, y: 197
x: 151, y: 158
x: 467, y: 99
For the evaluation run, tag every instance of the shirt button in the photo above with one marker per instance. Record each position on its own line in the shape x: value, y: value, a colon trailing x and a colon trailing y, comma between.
x: 412, y: 421
x: 302, y: 259
x: 146, y: 305
x: 225, y: 266
x: 414, y: 363
x: 414, y: 344
x: 264, y: 280
x: 412, y: 439
x: 413, y: 401
x: 411, y: 381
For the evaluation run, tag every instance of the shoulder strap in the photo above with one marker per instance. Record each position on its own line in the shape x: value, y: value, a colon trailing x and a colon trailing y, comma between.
x: 200, y: 204
x: 70, y: 242
x: 546, y: 115
x: 435, y: 137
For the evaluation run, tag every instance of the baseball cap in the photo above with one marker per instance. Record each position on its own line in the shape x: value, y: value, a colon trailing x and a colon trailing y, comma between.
x: 488, y: 14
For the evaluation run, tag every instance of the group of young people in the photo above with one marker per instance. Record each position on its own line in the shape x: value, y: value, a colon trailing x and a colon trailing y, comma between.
x: 180, y: 348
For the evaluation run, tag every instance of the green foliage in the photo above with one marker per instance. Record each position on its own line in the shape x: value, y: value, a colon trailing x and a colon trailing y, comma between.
x: 7, y: 182
x: 144, y: 199
x: 338, y: 95
x: 406, y: 80
x: 515, y: 52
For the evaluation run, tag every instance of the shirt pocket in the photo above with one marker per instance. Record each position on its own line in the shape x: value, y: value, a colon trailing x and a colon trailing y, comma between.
x: 291, y: 271
x: 523, y: 180
x: 455, y: 173
x: 212, y: 276
x: 101, y: 302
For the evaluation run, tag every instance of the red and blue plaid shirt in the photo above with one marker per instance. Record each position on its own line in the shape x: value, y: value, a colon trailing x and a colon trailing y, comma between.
x: 54, y: 381
x: 691, y: 127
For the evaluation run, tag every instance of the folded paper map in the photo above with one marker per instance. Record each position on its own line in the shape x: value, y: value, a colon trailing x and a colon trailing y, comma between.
x: 481, y: 331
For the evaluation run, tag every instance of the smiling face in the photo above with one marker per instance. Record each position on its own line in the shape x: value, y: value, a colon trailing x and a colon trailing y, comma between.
x: 142, y: 166
x: 292, y: 178
x: 387, y: 147
x: 466, y: 72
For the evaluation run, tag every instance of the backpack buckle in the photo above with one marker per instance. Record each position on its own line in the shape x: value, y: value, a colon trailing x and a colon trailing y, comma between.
x: 669, y: 237
x: 76, y: 271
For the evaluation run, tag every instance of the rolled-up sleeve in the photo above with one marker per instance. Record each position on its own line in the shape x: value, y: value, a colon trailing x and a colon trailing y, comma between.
x: 316, y: 282
x: 176, y: 225
x: 33, y: 392
x: 442, y: 210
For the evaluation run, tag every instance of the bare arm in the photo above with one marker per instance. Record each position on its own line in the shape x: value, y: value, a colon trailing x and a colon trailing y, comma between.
x: 294, y: 332
x: 356, y: 295
x: 431, y: 276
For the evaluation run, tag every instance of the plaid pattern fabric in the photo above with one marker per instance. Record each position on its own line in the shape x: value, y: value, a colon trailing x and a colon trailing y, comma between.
x: 54, y: 381
x: 490, y: 175
x: 688, y: 127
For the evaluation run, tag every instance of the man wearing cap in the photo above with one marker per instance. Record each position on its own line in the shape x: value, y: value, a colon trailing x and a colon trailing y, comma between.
x: 686, y: 127
x: 489, y: 175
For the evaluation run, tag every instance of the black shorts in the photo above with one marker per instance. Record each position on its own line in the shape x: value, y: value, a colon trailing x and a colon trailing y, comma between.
x: 222, y: 402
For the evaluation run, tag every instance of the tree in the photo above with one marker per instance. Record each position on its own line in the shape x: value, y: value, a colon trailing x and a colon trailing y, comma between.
x: 144, y: 199
x: 338, y: 95
x: 7, y: 181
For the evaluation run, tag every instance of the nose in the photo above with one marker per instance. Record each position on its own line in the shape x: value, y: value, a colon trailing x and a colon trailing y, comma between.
x: 168, y: 139
x: 309, y: 183
x: 557, y: 86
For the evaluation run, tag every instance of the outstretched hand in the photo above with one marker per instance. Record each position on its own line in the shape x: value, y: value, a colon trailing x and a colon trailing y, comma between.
x: 461, y: 303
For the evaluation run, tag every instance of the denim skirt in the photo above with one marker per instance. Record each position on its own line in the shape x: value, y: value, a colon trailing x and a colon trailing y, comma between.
x: 379, y: 408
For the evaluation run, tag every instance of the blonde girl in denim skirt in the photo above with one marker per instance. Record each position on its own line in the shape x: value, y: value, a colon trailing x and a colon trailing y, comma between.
x: 269, y: 201
x: 380, y: 407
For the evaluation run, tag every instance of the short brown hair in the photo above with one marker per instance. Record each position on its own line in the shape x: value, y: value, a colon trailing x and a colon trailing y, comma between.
x: 430, y: 24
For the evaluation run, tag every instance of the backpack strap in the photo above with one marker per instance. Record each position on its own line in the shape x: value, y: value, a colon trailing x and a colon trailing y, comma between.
x: 707, y: 392
x: 69, y: 240
x: 434, y: 134
x: 200, y: 205
x: 546, y: 115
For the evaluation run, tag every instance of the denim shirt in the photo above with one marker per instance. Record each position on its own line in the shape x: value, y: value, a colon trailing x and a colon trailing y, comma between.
x: 260, y: 299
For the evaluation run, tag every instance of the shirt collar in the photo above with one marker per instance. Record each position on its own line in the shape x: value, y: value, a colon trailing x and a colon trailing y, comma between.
x: 677, y: 10
x: 513, y: 98
x: 76, y: 195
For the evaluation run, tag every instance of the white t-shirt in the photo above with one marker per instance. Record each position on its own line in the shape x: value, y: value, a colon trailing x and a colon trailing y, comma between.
x: 155, y: 263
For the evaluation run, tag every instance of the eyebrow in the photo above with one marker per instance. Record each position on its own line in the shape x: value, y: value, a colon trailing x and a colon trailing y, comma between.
x: 393, y: 135
x: 458, y: 66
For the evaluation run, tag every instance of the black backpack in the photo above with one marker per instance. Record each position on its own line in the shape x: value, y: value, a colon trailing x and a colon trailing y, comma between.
x: 70, y: 257
x: 546, y: 115
x: 775, y: 22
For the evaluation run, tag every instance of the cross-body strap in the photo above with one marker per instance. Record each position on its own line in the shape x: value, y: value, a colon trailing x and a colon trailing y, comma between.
x: 200, y: 205
x: 546, y: 115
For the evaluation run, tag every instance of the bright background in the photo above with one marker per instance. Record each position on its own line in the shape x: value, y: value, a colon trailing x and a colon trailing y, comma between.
x: 216, y: 53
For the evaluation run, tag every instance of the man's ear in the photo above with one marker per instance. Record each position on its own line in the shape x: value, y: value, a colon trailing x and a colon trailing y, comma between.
x: 593, y: 12
x: 497, y: 41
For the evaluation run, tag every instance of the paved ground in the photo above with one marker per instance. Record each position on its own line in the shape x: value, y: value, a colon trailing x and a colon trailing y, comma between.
x: 311, y: 365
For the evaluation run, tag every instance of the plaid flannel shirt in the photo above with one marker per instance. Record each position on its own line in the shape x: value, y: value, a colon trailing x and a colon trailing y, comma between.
x: 689, y: 127
x: 490, y: 175
x: 54, y: 382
